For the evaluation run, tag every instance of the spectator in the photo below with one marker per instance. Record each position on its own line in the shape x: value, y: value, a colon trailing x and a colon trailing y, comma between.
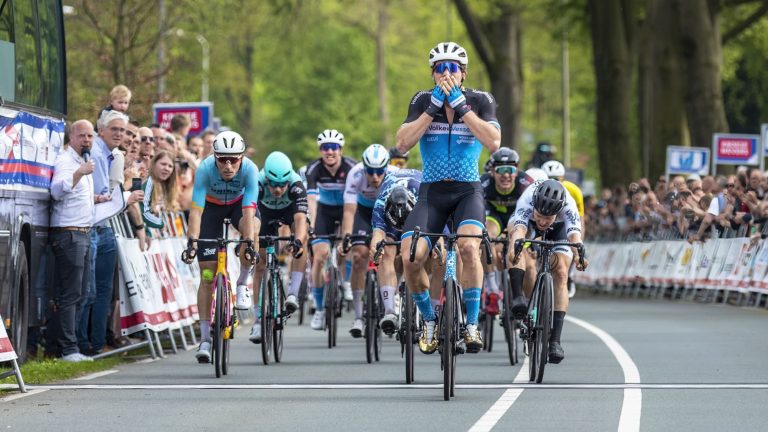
x: 71, y: 218
x: 119, y: 100
x: 195, y: 146
x: 160, y: 190
x: 755, y: 185
x: 544, y: 152
x: 180, y: 126
x: 208, y: 137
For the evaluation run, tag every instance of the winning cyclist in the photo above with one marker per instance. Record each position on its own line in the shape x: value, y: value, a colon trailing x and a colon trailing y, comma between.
x: 451, y: 125
x: 501, y: 189
x: 360, y: 193
x: 282, y: 201
x: 556, y: 170
x: 546, y: 209
x: 225, y: 187
x: 326, y: 178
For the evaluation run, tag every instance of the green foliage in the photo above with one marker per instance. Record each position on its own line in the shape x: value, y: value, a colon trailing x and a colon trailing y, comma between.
x: 50, y: 371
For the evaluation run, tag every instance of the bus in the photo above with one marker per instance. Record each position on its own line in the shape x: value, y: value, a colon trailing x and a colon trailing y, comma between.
x: 33, y: 107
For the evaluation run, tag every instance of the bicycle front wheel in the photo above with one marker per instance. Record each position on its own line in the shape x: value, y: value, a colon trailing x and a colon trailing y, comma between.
x: 544, y: 324
x: 266, y: 317
x: 407, y: 328
x: 330, y: 308
x: 507, y: 320
x: 370, y: 315
x: 448, y: 338
x: 218, y: 324
x: 279, y: 322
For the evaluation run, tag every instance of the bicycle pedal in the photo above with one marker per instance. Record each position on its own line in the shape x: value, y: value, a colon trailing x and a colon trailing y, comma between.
x: 461, y: 348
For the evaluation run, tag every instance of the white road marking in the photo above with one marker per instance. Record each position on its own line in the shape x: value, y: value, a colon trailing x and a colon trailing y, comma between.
x: 29, y: 392
x: 618, y: 386
x: 96, y: 375
x: 495, y: 412
x: 631, y: 408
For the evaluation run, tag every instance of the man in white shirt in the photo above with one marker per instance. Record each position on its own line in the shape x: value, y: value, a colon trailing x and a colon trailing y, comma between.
x: 71, y: 216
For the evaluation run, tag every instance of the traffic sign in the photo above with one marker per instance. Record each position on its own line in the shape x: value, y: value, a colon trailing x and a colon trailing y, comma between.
x: 687, y: 160
x: 200, y: 113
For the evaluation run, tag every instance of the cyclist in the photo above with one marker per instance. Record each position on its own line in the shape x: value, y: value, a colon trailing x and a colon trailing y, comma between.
x: 501, y: 189
x: 451, y: 125
x: 282, y: 201
x: 546, y: 210
x: 360, y: 194
x: 225, y: 187
x: 556, y: 170
x: 397, y: 158
x: 326, y: 178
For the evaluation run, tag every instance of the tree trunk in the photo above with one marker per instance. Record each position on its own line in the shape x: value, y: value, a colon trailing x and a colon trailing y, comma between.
x: 381, y: 71
x: 661, y: 101
x: 701, y: 56
x: 612, y: 34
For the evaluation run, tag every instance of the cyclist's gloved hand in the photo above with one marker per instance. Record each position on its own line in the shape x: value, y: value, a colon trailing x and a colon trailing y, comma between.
x: 297, y: 248
x: 250, y: 254
x: 436, y: 101
x: 457, y: 101
x: 189, y: 254
x: 517, y: 250
x: 583, y: 262
x: 345, y: 244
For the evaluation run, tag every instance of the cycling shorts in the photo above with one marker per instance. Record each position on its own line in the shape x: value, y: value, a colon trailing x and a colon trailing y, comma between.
x: 328, y: 220
x: 211, y: 223
x: 271, y: 219
x: 362, y: 224
x: 439, y: 201
x: 497, y: 217
x: 555, y: 233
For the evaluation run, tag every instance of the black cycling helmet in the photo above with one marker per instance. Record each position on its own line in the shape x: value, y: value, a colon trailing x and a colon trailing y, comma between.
x: 395, y: 153
x: 549, y: 197
x: 399, y: 205
x: 505, y: 156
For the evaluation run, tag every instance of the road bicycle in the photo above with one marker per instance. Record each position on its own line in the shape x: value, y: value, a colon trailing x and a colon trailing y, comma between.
x: 452, y: 321
x: 508, y: 321
x: 334, y: 291
x: 373, y: 305
x: 223, y: 319
x: 536, y: 327
x: 272, y: 301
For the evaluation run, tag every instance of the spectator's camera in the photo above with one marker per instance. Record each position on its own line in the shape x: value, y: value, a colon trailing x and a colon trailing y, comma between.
x: 671, y: 196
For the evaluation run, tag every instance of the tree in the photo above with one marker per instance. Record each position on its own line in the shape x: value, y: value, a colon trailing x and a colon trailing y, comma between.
x: 496, y: 36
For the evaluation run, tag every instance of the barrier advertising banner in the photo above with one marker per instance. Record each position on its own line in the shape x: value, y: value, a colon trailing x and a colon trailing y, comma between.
x: 6, y: 349
x: 141, y: 299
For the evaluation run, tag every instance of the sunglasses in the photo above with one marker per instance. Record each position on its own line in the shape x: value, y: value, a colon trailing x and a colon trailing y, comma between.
x: 147, y: 139
x: 228, y: 159
x: 330, y: 147
x: 375, y: 171
x: 275, y: 184
x: 451, y: 67
x: 505, y: 169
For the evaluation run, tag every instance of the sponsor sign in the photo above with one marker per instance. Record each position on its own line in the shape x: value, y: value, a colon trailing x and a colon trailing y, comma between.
x: 200, y: 114
x: 736, y: 149
x: 687, y: 160
x: 28, y: 148
x: 6, y: 350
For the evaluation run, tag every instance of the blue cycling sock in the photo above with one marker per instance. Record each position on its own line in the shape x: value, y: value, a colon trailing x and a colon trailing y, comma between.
x: 347, y: 270
x: 318, y: 293
x: 424, y: 304
x: 472, y: 304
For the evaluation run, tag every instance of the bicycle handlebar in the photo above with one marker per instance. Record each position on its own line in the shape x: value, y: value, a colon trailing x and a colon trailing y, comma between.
x: 380, y: 249
x: 483, y: 237
x: 548, y: 244
x: 346, y: 244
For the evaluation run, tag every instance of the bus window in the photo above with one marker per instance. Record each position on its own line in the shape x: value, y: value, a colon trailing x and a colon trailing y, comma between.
x: 7, y: 53
x: 51, y: 56
x: 27, y: 66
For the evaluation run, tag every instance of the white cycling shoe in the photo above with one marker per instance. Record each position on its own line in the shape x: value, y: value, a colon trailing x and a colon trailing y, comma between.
x: 204, y: 352
x: 255, y: 336
x: 347, y: 291
x: 243, y: 298
x: 291, y: 304
x: 318, y: 320
x: 388, y: 324
x: 357, y: 328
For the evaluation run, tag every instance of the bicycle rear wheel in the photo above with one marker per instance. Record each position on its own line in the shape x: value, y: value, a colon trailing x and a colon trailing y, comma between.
x: 370, y: 315
x: 447, y: 340
x: 330, y: 308
x: 218, y: 326
x: 266, y: 317
x: 279, y: 322
x: 407, y: 328
x: 544, y: 324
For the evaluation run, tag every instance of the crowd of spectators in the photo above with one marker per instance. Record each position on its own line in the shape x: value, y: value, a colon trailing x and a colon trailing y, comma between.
x: 693, y: 208
x: 156, y: 169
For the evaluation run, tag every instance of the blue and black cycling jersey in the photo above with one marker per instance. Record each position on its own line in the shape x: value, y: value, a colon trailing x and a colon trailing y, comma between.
x: 409, y: 178
x: 329, y: 188
x: 451, y: 151
x: 295, y: 196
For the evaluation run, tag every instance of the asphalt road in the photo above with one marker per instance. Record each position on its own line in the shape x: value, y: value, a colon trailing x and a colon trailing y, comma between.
x: 700, y: 367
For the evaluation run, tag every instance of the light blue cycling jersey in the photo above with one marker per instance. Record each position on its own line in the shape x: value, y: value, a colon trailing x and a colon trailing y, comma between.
x: 409, y: 178
x: 210, y: 187
x: 451, y: 151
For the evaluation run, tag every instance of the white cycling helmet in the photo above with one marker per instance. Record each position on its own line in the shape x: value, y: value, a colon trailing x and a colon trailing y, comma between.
x: 537, y: 174
x: 228, y: 142
x: 375, y: 156
x: 330, y: 136
x: 554, y: 169
x: 447, y: 51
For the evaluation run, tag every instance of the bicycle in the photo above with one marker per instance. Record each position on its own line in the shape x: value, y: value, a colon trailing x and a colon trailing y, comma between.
x: 223, y: 319
x: 373, y: 306
x: 537, y: 326
x: 334, y: 291
x: 508, y: 321
x: 273, y: 317
x: 452, y: 321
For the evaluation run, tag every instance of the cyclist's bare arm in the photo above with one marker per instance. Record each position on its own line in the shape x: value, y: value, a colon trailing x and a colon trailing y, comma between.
x: 348, y: 220
x: 312, y: 203
x: 193, y: 225
x: 487, y: 133
x: 518, y: 232
x: 410, y: 133
x: 300, y: 227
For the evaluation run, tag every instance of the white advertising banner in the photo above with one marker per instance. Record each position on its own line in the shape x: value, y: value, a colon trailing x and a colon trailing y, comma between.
x: 6, y: 349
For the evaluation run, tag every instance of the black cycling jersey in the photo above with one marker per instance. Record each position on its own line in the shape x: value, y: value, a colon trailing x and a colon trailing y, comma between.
x: 329, y: 188
x: 503, y: 203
